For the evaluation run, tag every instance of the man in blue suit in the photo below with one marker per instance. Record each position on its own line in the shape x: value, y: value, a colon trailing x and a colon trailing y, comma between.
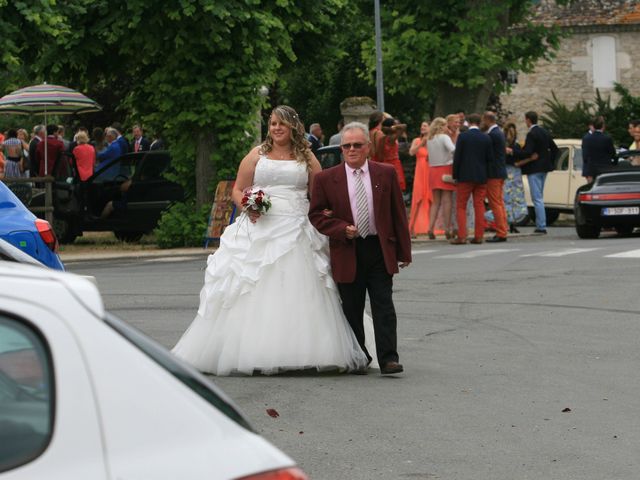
x: 474, y: 152
x: 597, y: 151
x: 112, y: 152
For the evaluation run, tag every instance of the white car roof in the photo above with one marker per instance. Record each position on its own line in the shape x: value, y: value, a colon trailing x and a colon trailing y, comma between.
x: 83, y: 289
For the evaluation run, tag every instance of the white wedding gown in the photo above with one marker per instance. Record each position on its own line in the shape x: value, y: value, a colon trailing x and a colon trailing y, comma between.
x: 269, y: 303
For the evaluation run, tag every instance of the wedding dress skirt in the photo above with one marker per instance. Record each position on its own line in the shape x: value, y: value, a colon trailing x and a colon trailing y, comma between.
x: 269, y: 303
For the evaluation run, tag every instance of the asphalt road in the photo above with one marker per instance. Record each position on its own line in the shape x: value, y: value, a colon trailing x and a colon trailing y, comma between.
x: 521, y: 362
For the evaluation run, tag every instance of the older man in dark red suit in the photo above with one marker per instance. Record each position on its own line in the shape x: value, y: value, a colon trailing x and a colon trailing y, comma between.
x: 358, y: 205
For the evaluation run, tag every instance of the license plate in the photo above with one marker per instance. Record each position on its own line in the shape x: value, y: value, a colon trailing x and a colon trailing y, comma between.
x: 620, y: 211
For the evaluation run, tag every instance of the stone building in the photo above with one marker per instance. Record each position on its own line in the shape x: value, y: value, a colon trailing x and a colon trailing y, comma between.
x: 602, y: 48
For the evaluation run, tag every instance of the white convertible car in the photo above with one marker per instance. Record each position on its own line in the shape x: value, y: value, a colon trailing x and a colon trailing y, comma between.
x: 85, y: 396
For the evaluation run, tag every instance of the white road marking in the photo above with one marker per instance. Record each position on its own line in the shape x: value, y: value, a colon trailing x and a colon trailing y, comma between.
x: 560, y: 253
x: 628, y: 254
x: 478, y: 253
x: 418, y: 252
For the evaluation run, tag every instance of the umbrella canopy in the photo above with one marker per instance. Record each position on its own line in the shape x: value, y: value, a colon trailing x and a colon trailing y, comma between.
x: 48, y: 100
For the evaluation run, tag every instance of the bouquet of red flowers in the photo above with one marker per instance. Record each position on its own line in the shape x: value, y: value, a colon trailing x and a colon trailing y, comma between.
x: 256, y: 200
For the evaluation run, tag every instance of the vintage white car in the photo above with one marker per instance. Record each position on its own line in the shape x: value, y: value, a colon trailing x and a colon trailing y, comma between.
x: 562, y: 183
x: 85, y: 396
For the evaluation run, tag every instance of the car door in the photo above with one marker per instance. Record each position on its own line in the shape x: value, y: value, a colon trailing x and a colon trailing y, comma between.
x: 151, y: 192
x: 576, y: 180
x: 50, y: 424
x: 556, y: 188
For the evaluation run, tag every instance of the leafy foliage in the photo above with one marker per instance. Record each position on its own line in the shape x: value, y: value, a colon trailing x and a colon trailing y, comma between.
x: 183, y: 225
x: 453, y: 48
x: 571, y: 122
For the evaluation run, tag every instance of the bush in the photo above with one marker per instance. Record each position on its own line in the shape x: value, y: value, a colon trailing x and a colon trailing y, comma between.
x: 182, y: 226
x: 566, y: 122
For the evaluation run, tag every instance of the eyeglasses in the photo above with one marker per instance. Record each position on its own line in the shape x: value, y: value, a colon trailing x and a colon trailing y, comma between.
x: 347, y: 146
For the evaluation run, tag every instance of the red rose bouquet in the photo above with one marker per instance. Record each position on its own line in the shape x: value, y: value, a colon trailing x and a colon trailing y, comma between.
x: 256, y: 200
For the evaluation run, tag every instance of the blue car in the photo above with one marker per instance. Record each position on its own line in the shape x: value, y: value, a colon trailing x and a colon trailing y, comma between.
x: 25, y: 231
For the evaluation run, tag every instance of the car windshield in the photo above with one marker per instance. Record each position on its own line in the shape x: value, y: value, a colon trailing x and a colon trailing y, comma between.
x: 188, y: 376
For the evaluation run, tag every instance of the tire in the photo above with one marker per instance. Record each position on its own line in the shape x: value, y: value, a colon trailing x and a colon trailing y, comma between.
x: 624, y: 230
x: 588, y: 231
x: 524, y: 221
x: 128, y: 236
x: 552, y: 215
x: 64, y: 229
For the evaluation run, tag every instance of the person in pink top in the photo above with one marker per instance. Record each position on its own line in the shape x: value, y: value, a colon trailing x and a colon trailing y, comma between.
x: 85, y: 155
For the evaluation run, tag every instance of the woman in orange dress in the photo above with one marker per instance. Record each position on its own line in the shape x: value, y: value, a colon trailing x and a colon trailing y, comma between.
x: 441, y: 150
x: 421, y: 196
x: 387, y: 148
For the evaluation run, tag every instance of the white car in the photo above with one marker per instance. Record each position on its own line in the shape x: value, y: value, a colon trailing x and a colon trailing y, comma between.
x: 562, y: 183
x: 85, y: 396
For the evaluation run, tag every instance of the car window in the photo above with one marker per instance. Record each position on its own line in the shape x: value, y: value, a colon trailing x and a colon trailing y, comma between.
x: 152, y: 166
x: 122, y: 167
x: 188, y: 376
x: 577, y: 158
x: 26, y: 393
x: 562, y: 158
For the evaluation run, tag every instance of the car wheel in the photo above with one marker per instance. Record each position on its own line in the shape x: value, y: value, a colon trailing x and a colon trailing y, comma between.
x: 588, y: 231
x: 64, y: 229
x: 128, y: 236
x: 624, y: 230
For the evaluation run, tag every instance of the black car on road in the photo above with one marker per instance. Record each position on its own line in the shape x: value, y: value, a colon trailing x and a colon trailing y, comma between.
x: 138, y: 185
x: 611, y: 201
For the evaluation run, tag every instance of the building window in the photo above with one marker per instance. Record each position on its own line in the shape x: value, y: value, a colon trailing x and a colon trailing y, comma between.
x: 603, y: 54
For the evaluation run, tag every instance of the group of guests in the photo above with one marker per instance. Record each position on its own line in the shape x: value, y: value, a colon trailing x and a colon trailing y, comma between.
x: 23, y: 155
x: 459, y: 158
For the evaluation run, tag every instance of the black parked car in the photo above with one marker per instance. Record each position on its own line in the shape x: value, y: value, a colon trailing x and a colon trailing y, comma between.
x: 612, y: 200
x: 136, y: 184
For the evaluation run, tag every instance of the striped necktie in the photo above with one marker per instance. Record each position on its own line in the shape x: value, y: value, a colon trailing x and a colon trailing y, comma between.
x: 361, y: 205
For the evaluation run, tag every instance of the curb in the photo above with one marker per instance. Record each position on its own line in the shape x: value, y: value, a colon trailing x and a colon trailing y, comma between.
x: 91, y: 255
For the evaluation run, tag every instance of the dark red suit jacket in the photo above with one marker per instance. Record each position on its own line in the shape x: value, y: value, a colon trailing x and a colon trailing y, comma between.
x: 330, y: 192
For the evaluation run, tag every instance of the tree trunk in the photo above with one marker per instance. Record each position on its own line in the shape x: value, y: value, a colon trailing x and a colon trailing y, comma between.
x: 205, y: 169
x: 451, y: 99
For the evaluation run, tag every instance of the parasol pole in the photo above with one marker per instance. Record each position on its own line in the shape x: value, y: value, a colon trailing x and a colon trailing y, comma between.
x: 46, y: 163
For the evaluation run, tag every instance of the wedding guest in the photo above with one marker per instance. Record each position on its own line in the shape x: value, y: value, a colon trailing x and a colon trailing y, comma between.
x: 515, y: 203
x: 496, y: 173
x: 315, y: 137
x: 38, y: 135
x: 453, y: 127
x: 98, y: 140
x: 375, y: 132
x: 74, y: 143
x: 634, y: 131
x: 598, y: 151
x: 85, y: 155
x: 140, y: 142
x: 473, y: 155
x: 335, y: 138
x: 421, y: 195
x: 47, y: 163
x: 13, y: 154
x: 23, y: 136
x: 269, y: 303
x: 388, y: 148
x: 440, y: 148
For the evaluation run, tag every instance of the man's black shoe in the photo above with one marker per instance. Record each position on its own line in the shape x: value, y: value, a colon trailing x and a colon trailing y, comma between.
x: 496, y: 239
x: 391, y: 368
x: 540, y: 230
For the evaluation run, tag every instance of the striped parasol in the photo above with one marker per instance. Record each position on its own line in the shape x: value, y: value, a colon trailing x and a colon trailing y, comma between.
x: 47, y: 100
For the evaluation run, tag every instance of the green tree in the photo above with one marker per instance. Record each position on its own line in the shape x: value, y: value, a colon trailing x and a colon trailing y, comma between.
x: 455, y: 50
x: 191, y: 69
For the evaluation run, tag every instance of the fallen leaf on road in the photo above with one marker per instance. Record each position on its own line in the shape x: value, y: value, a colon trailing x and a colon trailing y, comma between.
x: 566, y: 410
x: 272, y: 412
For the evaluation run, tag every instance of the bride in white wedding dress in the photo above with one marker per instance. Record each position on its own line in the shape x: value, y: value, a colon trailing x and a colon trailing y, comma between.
x: 269, y: 303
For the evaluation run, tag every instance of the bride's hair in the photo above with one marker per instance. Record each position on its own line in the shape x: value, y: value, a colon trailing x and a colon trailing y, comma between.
x: 299, y: 144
